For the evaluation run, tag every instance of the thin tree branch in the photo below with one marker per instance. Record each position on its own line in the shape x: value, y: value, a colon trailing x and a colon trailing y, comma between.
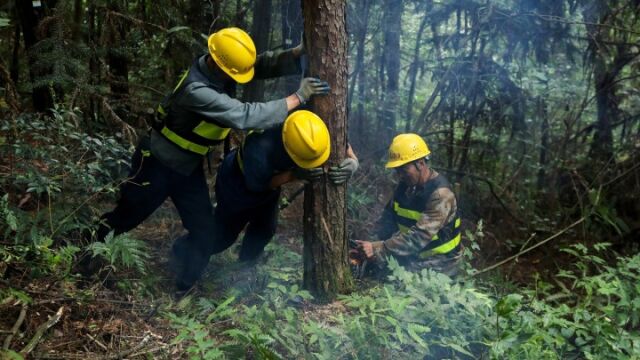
x: 582, y: 219
x: 553, y: 18
x: 16, y: 326
x: 41, y: 330
x: 125, y: 353
x: 491, y: 189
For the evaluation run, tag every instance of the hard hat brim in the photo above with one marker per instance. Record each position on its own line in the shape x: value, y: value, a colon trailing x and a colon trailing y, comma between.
x: 310, y: 164
x: 397, y: 163
x: 240, y: 78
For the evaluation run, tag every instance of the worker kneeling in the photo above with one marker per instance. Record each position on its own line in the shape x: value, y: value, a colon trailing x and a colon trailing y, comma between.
x: 249, y: 180
x: 420, y: 226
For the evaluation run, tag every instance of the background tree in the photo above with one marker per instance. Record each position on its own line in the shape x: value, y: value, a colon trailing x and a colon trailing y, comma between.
x: 30, y: 19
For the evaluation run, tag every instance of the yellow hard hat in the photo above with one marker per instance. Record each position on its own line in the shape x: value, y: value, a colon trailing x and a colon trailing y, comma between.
x: 306, y: 139
x: 406, y: 148
x: 234, y: 52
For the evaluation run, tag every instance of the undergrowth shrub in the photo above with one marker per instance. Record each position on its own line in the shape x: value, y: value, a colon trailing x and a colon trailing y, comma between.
x: 598, y: 317
x: 56, y: 172
x: 53, y: 174
x: 425, y: 315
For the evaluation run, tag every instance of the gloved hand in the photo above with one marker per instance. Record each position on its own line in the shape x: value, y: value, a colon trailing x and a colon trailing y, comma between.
x: 366, y: 247
x: 310, y: 87
x: 310, y: 175
x: 343, y: 172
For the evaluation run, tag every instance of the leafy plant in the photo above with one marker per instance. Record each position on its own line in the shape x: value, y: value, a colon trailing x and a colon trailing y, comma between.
x: 122, y: 251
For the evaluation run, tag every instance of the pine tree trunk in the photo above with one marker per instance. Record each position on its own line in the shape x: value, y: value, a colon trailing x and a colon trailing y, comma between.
x: 392, y: 24
x: 413, y: 71
x: 326, y: 271
x: 94, y: 62
x: 543, y: 115
x: 30, y: 17
x: 78, y: 8
x: 359, y: 75
x: 15, y: 63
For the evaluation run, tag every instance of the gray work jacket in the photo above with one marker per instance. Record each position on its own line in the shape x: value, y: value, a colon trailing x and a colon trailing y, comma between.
x: 210, y: 104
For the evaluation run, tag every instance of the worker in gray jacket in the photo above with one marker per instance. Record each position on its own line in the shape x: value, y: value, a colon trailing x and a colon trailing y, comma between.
x: 196, y: 116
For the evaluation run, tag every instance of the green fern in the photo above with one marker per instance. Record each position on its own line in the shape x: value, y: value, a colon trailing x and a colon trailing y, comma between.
x: 123, y: 251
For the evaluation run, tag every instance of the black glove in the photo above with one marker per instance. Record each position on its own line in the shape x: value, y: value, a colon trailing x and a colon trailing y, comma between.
x: 310, y: 87
x: 343, y: 172
x: 310, y: 175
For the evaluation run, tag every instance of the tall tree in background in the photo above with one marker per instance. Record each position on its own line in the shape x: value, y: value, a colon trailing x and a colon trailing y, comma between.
x: 326, y: 272
x: 30, y: 18
x: 610, y: 49
x: 260, y: 30
x: 291, y: 20
x: 358, y: 27
x: 117, y: 58
x: 392, y: 25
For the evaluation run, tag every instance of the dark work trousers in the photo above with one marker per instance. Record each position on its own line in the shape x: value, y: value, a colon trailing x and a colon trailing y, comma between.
x: 260, y: 221
x: 149, y: 186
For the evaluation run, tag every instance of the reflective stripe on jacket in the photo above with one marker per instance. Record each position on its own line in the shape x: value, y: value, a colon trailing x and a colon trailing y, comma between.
x: 407, y: 211
x: 189, y: 131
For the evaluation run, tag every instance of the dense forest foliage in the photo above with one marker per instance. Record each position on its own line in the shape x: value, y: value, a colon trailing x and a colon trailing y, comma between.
x: 531, y: 109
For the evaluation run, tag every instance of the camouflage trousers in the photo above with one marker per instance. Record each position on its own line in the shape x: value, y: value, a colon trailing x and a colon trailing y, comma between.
x: 449, y: 265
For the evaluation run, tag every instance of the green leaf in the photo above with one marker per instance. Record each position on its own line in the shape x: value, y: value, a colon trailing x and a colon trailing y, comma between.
x: 508, y: 304
x: 178, y: 28
x: 459, y: 349
x: 413, y: 330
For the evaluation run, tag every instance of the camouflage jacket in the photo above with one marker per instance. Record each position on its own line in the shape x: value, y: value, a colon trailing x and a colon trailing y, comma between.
x: 440, y: 210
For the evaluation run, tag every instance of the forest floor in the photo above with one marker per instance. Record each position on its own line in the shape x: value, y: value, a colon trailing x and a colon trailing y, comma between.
x: 116, y: 315
x: 120, y: 316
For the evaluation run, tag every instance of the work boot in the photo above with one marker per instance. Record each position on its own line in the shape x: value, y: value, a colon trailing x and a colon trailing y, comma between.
x: 178, y: 257
x: 89, y: 265
x: 190, y: 270
x: 251, y: 255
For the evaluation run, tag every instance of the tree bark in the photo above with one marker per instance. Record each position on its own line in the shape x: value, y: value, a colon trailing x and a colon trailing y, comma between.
x: 326, y: 271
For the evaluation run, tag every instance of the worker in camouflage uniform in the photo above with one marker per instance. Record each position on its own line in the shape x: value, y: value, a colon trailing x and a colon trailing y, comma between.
x: 420, y: 226
x: 195, y: 117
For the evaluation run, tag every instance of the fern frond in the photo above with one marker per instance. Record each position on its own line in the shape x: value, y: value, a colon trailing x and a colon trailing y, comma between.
x: 122, y: 250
